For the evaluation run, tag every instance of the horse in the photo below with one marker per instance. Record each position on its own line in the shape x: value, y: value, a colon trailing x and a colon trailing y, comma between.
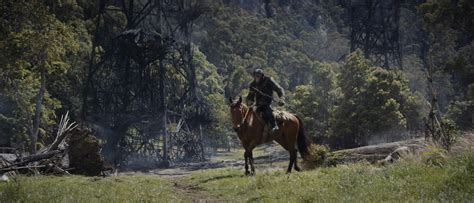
x: 250, y: 130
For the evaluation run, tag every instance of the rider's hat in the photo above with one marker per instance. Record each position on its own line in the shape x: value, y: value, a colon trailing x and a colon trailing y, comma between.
x: 258, y: 71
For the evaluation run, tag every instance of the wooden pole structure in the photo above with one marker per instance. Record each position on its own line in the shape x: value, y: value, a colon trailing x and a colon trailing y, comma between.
x: 163, y: 95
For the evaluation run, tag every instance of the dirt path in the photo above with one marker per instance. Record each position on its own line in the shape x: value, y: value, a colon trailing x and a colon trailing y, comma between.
x: 267, y: 157
x: 189, y: 192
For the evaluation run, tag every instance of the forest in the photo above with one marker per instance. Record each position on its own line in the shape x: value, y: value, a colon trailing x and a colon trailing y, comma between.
x: 150, y: 79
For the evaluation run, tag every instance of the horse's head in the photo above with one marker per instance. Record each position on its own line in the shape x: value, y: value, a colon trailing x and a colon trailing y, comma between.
x: 237, y: 111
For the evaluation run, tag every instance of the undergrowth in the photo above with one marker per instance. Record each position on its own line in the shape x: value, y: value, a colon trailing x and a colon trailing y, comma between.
x: 407, y: 180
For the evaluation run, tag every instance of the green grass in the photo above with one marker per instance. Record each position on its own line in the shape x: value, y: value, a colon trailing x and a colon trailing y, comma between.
x: 87, y: 189
x: 411, y: 180
x: 405, y: 181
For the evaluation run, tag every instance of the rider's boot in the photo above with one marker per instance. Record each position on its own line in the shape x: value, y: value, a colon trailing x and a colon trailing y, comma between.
x: 274, y: 124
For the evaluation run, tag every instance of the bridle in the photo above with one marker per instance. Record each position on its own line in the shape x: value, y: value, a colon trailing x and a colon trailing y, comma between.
x: 244, y: 118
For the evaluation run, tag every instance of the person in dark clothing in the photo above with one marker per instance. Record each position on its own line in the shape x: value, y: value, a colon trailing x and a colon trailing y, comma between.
x: 261, y: 91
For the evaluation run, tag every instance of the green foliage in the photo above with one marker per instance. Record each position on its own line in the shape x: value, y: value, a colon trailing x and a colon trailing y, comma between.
x: 435, y: 156
x: 348, y: 121
x: 284, y: 46
x: 299, y: 47
x: 451, y: 131
x: 35, y: 47
x: 449, y: 25
x: 210, y: 87
x: 287, y: 47
x: 317, y: 100
x: 373, y: 100
x: 441, y: 14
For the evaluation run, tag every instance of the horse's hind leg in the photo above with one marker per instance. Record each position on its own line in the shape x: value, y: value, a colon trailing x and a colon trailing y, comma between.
x: 292, y: 161
x: 296, y: 161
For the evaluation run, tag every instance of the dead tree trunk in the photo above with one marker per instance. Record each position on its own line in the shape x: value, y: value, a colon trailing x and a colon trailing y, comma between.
x: 373, y: 153
x: 163, y: 112
x: 34, y: 129
x: 163, y: 94
x: 90, y: 71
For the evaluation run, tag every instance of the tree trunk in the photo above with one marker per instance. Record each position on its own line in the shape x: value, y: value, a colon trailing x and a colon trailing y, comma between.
x: 373, y: 153
x: 191, y: 70
x: 163, y: 113
x: 201, y: 144
x: 162, y: 73
x: 37, y: 116
x: 91, y: 66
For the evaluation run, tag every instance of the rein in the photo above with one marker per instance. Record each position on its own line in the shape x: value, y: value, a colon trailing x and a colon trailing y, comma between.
x: 245, y: 117
x: 273, y: 99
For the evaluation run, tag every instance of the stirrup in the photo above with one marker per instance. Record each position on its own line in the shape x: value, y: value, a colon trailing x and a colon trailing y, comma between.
x: 275, y: 128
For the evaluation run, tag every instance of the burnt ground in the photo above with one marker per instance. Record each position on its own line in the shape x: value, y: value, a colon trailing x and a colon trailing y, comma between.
x: 267, y: 157
x: 272, y: 156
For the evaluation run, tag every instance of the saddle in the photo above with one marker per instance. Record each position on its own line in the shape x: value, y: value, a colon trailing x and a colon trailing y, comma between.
x: 280, y: 117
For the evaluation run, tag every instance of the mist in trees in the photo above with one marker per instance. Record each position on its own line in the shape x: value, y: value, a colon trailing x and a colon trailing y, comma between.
x: 150, y: 77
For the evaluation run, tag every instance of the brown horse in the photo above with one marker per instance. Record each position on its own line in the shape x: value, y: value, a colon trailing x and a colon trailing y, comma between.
x: 250, y: 127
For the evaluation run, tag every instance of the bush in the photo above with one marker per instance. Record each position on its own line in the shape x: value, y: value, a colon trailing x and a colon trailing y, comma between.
x: 451, y: 131
x: 434, y: 156
x: 317, y: 156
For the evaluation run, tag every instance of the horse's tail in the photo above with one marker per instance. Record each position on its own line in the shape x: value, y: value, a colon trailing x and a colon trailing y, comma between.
x: 302, y: 142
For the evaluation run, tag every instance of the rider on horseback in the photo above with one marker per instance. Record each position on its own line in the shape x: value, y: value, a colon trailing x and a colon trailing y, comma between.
x: 261, y: 90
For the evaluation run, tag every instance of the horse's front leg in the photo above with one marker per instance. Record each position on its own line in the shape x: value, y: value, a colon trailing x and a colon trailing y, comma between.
x: 246, y: 157
x: 252, y: 168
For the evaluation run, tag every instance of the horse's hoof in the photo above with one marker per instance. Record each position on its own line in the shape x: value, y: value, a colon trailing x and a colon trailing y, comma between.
x: 247, y: 173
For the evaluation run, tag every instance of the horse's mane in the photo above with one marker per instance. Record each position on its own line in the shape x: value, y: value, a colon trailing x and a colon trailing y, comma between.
x: 280, y: 115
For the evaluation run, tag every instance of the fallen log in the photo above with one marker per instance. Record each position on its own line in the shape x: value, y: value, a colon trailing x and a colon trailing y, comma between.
x: 61, y: 134
x: 35, y: 157
x: 58, y: 169
x: 3, y: 170
x: 372, y: 153
x: 47, y: 158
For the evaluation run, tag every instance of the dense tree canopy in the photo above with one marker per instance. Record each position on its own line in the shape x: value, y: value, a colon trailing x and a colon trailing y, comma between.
x: 35, y: 47
x: 130, y: 69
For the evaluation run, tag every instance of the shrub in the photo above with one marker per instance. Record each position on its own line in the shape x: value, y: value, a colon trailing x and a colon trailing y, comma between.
x: 434, y: 156
x: 317, y: 156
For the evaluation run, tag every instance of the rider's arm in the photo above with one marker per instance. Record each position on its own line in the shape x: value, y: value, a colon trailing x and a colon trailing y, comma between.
x: 277, y: 88
x: 251, y: 94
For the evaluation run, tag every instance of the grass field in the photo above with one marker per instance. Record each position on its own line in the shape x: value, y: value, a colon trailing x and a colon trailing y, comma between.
x: 409, y: 180
x: 87, y: 189
x: 356, y: 182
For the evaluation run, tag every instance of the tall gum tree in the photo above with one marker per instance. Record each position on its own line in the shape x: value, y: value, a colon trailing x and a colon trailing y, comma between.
x: 35, y: 46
